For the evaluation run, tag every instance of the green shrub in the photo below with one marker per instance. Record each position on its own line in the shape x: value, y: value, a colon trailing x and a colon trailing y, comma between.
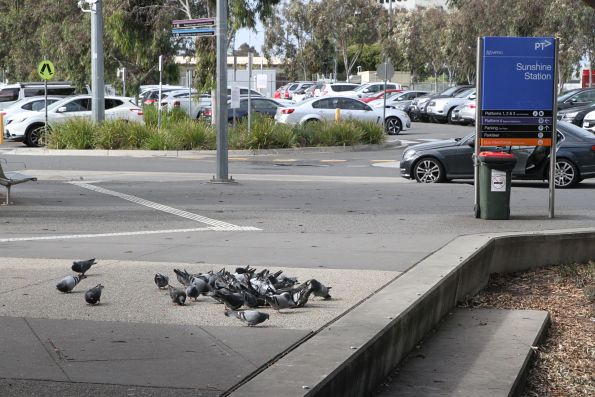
x: 168, y: 117
x: 372, y: 133
x: 120, y: 134
x: 76, y: 133
x: 186, y: 134
x: 157, y: 140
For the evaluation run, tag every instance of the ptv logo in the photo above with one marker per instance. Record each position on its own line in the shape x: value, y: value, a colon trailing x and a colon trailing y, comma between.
x: 541, y: 45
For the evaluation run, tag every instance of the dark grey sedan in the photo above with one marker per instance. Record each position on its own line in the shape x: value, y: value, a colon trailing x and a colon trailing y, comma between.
x: 453, y: 159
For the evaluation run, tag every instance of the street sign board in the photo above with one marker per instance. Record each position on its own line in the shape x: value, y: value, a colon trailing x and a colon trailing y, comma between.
x: 385, y: 71
x: 46, y: 70
x: 517, y: 91
x: 261, y: 81
x: 235, y: 97
x: 193, y: 27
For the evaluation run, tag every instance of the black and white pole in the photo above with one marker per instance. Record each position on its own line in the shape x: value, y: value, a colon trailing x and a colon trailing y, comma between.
x: 221, y: 100
x: 97, y: 85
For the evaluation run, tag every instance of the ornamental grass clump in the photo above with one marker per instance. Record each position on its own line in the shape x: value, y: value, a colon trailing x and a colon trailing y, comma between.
x: 187, y: 134
x: 76, y: 133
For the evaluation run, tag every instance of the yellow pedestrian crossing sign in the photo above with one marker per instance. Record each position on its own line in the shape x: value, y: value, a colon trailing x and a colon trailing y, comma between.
x: 46, y: 70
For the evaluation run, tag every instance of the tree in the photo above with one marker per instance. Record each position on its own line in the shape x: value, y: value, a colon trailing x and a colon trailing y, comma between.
x: 347, y: 23
x: 244, y: 49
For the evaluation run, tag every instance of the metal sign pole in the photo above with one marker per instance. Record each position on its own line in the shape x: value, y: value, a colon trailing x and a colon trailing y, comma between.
x: 554, y: 134
x: 45, y: 86
x: 221, y: 100
x: 478, y: 96
x: 385, y: 78
x: 249, y: 91
x: 123, y: 81
x: 189, y: 81
x: 98, y: 95
x: 235, y: 64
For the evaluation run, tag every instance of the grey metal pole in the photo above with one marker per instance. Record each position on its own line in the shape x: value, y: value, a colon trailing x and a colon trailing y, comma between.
x: 45, y: 85
x: 189, y: 81
x: 478, y: 110
x: 97, y: 95
x: 249, y: 91
x: 552, y: 202
x: 123, y: 81
x: 384, y: 101
x: 221, y: 102
x: 235, y: 65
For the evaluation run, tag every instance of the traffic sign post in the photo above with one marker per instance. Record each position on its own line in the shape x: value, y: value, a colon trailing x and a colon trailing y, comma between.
x: 386, y: 71
x: 46, y: 71
x: 516, y: 91
x: 194, y: 27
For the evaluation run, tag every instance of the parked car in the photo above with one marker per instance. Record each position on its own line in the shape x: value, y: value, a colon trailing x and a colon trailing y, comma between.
x: 10, y: 93
x: 150, y: 94
x: 467, y: 112
x: 193, y: 106
x: 324, y: 109
x: 294, y: 88
x: 25, y: 105
x: 439, y: 109
x: 279, y: 91
x: 418, y: 108
x: 380, y: 95
x: 30, y: 127
x: 589, y: 122
x: 313, y: 90
x: 398, y: 100
x: 337, y: 88
x: 575, y: 98
x: 441, y: 161
x: 371, y: 89
x: 263, y: 106
x: 576, y: 115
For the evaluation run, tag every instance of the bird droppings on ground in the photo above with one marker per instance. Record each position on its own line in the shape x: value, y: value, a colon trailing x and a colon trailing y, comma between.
x: 131, y: 294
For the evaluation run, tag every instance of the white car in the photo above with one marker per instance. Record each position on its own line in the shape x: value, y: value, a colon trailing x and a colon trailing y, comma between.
x: 324, y: 109
x: 589, y: 122
x: 337, y: 89
x: 399, y: 100
x: 29, y: 127
x: 27, y: 105
x: 371, y: 89
x: 467, y: 113
x: 440, y: 109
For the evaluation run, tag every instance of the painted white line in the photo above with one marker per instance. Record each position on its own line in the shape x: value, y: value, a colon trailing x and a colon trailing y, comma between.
x: 387, y: 164
x: 157, y: 206
x: 139, y: 233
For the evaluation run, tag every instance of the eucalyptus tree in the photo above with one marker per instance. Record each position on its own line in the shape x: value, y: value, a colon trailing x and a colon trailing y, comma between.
x: 347, y: 23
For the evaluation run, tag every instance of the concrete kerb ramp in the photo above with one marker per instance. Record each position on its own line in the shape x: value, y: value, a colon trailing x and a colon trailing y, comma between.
x: 353, y: 355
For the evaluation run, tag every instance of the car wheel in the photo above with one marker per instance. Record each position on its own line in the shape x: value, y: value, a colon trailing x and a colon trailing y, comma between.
x: 393, y: 126
x: 429, y: 170
x: 35, y: 136
x: 566, y: 174
x: 449, y: 119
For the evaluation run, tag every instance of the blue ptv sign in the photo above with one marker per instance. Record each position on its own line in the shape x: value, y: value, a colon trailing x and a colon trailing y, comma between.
x: 517, y: 91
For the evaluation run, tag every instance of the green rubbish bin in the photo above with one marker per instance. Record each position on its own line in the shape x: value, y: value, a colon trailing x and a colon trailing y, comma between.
x: 495, y: 169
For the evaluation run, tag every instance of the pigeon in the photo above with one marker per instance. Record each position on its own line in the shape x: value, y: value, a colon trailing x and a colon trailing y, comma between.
x: 161, y: 280
x: 281, y: 301
x: 192, y: 292
x: 249, y: 299
x: 319, y: 289
x: 82, y: 266
x: 93, y: 295
x: 232, y: 300
x: 69, y: 282
x: 250, y: 317
x: 177, y: 295
x: 201, y: 285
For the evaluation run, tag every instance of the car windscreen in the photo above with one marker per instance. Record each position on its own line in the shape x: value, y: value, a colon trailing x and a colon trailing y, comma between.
x: 9, y: 94
x: 577, y: 132
x: 567, y: 95
x: 465, y: 93
x: 450, y: 91
x: 56, y: 105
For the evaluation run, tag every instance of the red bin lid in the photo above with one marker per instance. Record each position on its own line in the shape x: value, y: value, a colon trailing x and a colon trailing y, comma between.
x: 500, y: 155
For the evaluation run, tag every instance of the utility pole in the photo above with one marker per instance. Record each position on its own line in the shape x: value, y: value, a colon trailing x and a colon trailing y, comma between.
x: 221, y: 99
x: 95, y: 8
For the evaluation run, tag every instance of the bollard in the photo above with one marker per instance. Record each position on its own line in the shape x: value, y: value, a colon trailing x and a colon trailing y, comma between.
x: 337, y: 114
x: 1, y: 128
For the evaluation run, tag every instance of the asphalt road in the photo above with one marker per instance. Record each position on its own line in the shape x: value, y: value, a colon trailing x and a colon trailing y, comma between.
x: 324, y: 209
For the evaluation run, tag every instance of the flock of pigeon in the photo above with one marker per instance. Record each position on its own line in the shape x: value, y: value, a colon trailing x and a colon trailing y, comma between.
x: 244, y: 288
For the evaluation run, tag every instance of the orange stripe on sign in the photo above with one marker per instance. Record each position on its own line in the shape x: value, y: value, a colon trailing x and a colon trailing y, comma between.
x: 515, y: 142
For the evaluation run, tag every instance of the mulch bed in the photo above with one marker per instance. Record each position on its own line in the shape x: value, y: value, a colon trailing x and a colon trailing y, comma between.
x: 565, y: 362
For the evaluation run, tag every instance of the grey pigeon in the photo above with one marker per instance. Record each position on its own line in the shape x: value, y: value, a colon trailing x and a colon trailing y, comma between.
x: 319, y: 289
x: 250, y: 317
x: 177, y: 295
x: 161, y: 280
x: 82, y: 266
x: 201, y: 285
x: 69, y: 282
x: 192, y: 292
x: 232, y: 300
x: 281, y: 301
x: 93, y: 295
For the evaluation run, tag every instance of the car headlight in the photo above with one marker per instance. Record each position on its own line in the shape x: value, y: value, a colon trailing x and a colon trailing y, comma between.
x: 408, y: 155
x: 569, y: 116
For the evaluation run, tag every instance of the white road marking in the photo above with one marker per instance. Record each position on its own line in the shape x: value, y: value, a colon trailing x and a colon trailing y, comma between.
x: 387, y: 164
x: 407, y: 142
x: 159, y: 207
x: 120, y: 234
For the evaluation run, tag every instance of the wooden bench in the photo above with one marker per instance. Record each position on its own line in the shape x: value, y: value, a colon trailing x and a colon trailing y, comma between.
x: 11, y: 178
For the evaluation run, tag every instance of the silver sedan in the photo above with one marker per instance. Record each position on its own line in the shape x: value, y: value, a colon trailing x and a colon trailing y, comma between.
x: 325, y: 109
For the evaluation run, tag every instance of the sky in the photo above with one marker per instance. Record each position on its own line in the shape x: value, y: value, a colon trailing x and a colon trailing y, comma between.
x: 251, y: 37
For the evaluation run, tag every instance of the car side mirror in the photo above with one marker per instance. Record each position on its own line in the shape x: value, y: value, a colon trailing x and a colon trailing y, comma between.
x: 472, y: 97
x: 471, y: 143
x: 573, y: 100
x: 61, y: 109
x: 366, y: 90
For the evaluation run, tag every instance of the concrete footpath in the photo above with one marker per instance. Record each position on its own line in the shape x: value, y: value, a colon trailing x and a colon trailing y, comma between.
x: 136, y: 341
